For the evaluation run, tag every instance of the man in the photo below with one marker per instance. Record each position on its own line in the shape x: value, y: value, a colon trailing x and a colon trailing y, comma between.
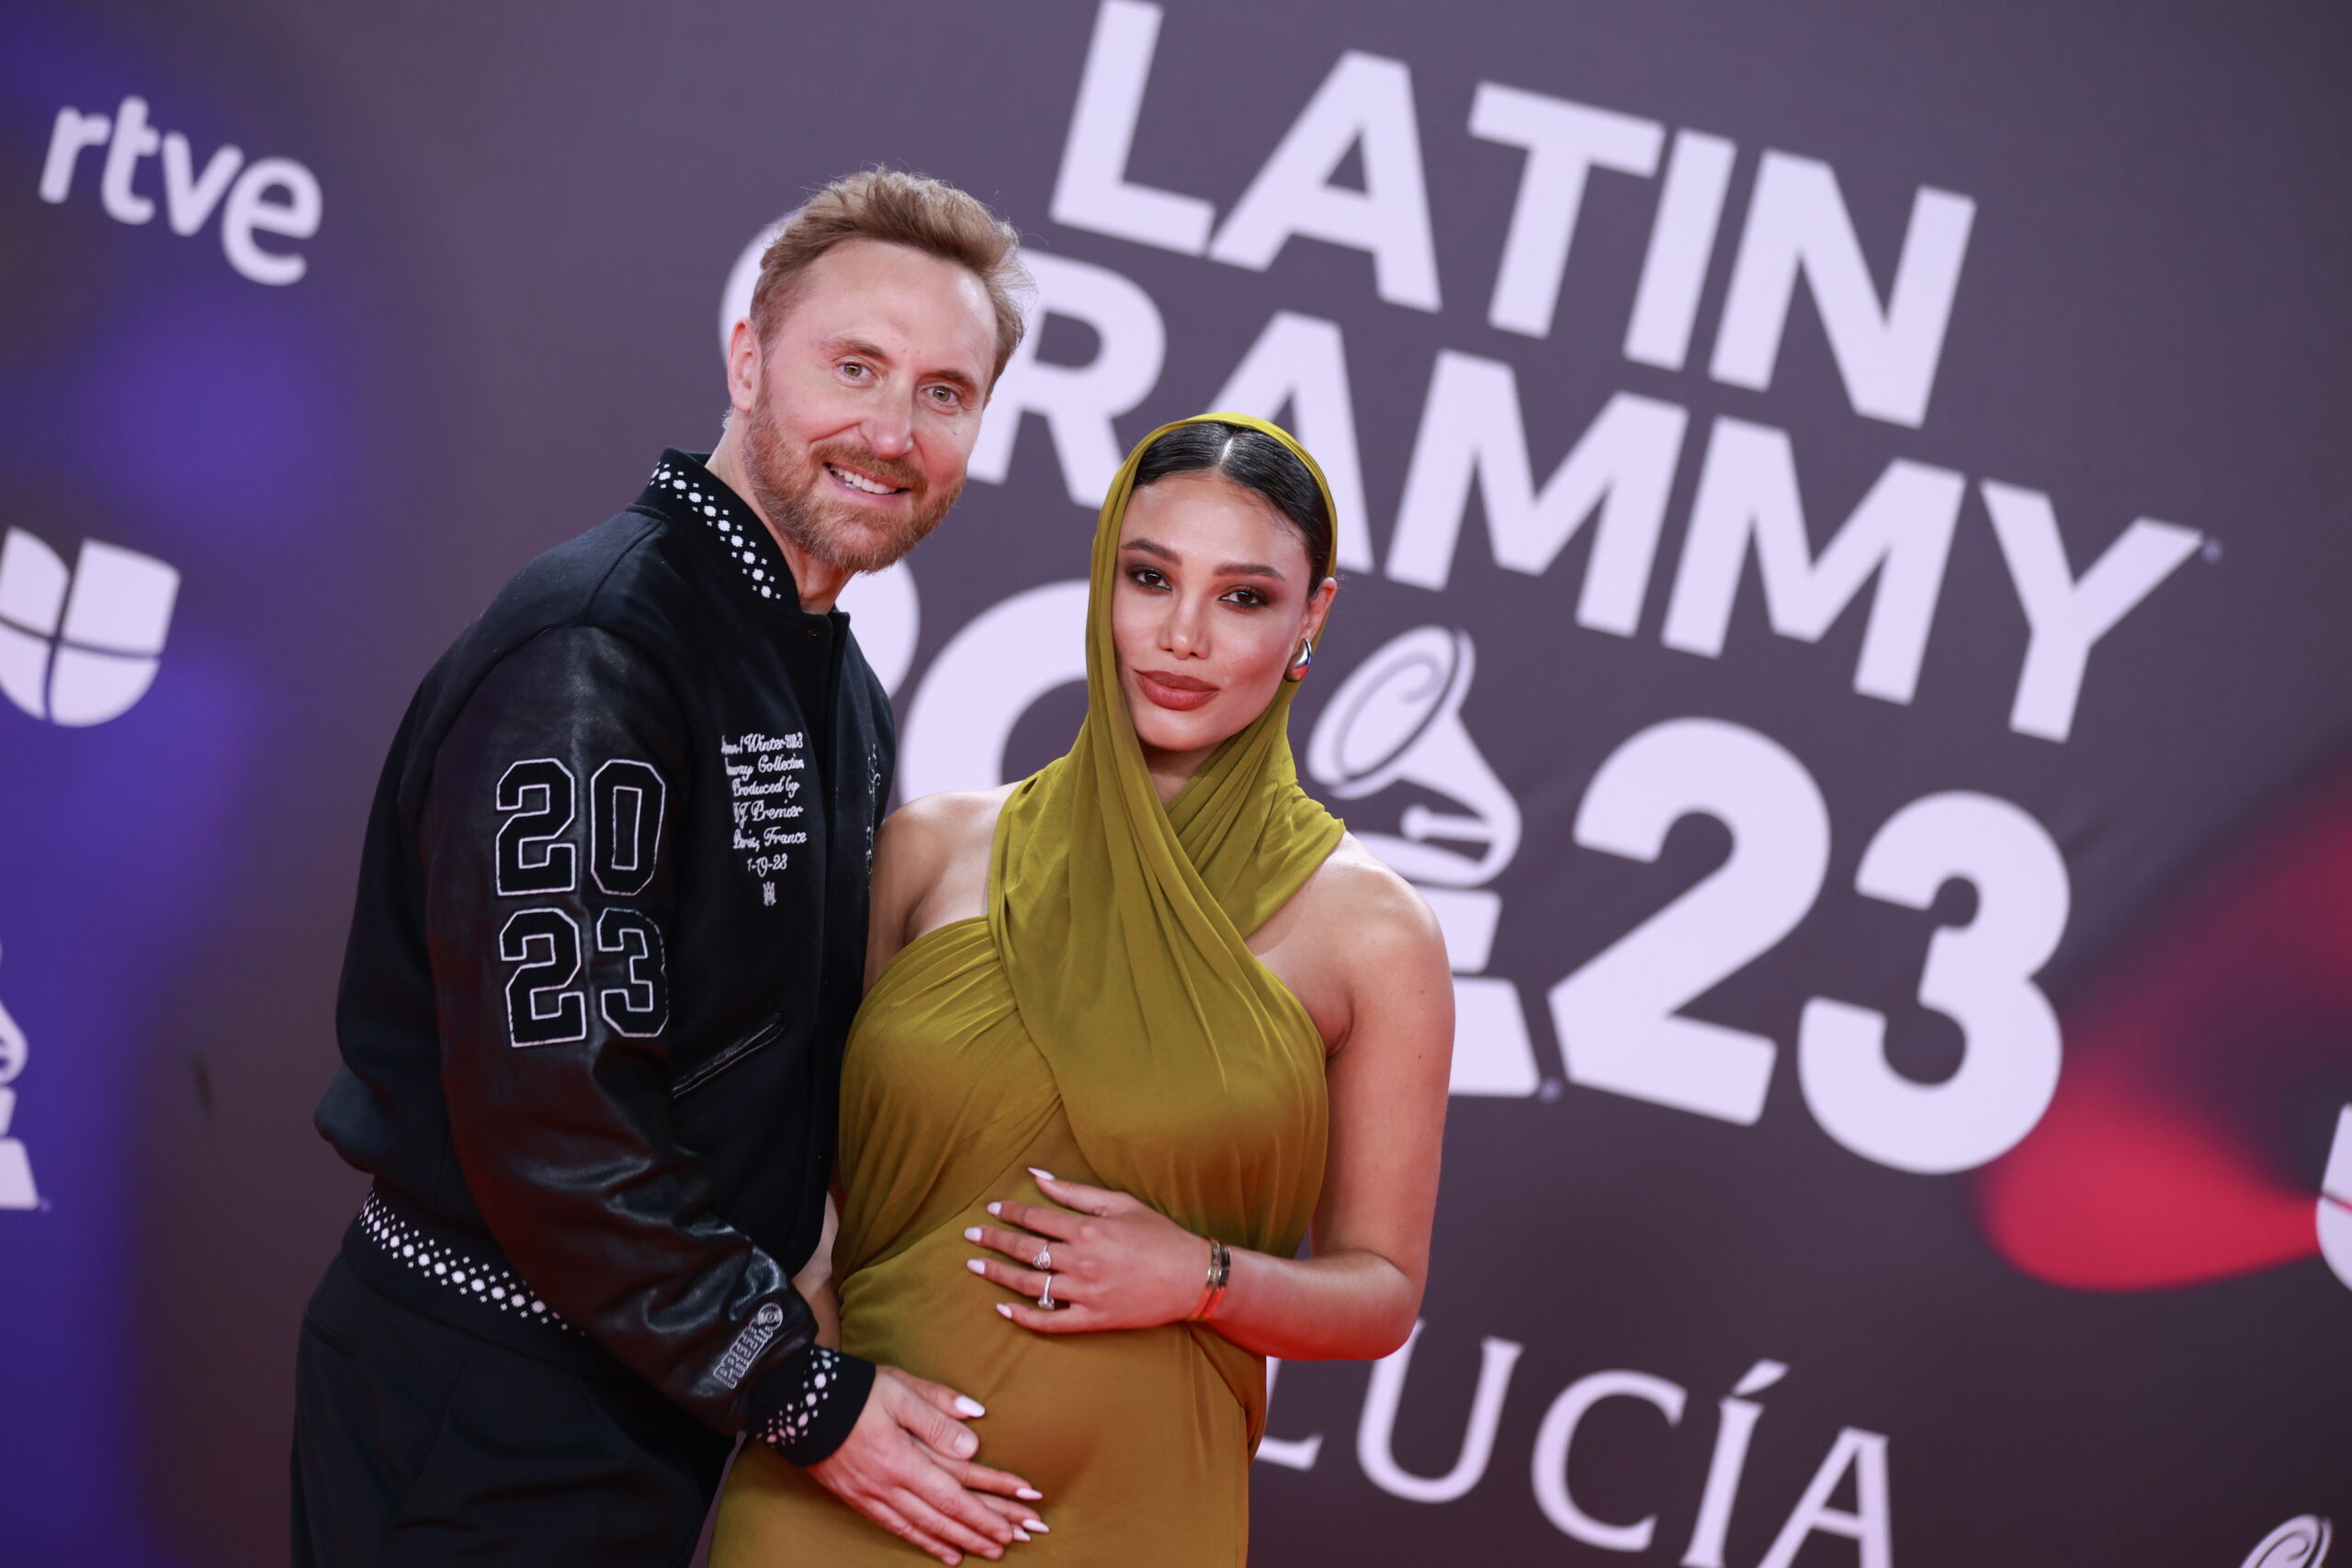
x: 610, y: 935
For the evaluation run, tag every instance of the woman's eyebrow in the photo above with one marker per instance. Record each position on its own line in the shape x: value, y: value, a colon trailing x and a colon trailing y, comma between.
x: 1224, y: 568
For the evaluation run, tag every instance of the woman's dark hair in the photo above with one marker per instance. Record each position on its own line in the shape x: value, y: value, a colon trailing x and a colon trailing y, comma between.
x: 1256, y: 461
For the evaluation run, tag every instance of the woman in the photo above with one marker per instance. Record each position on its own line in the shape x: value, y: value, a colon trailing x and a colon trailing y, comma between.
x: 1136, y: 1022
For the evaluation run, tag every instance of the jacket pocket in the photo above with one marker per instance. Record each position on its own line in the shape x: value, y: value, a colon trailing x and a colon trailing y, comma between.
x: 726, y: 1058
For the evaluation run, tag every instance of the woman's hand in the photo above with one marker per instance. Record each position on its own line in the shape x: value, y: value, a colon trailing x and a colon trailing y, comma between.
x: 1115, y: 1262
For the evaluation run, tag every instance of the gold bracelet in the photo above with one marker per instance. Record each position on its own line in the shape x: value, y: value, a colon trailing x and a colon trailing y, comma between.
x: 1220, y: 1275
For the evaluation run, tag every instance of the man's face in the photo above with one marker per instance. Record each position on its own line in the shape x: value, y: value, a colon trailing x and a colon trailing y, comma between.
x: 859, y: 412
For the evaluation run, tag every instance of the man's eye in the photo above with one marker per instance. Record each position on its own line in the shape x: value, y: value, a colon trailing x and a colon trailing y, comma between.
x: 855, y: 370
x: 945, y: 397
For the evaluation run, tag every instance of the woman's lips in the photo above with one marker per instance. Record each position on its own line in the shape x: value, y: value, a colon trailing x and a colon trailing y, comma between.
x: 1179, y: 692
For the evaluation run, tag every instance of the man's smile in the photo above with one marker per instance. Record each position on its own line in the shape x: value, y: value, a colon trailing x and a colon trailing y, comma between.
x: 865, y: 484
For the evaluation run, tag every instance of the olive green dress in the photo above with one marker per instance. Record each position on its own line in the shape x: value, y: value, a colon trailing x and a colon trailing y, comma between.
x: 1104, y: 1021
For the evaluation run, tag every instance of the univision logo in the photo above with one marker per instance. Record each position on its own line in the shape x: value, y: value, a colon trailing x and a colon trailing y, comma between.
x: 80, y: 647
x: 16, y: 1189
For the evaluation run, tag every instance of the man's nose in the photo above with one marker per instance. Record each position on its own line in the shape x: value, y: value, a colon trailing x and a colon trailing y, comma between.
x: 890, y: 424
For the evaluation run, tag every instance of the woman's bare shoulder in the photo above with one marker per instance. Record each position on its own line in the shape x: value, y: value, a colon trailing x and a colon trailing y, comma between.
x: 1369, y: 912
x: 951, y: 817
x: 921, y: 840
x: 931, y: 864
x: 1364, y: 952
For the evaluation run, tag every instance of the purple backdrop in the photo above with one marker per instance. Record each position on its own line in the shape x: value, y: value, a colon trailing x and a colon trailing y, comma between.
x: 1846, y: 618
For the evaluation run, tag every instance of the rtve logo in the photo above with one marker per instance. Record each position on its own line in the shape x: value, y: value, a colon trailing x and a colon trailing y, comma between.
x: 271, y: 196
x: 80, y: 647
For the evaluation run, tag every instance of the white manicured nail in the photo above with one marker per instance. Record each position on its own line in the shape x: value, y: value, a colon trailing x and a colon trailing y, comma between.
x: 1037, y: 1525
x: 1021, y: 1535
x: 975, y: 1266
x: 965, y: 1404
x: 971, y: 1232
x: 1041, y: 1175
x: 996, y: 1208
x: 1004, y: 1307
x: 1029, y: 1494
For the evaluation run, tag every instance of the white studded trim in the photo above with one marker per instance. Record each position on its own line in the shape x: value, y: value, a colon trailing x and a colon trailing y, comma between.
x: 490, y: 1284
x: 790, y: 1421
x: 738, y: 536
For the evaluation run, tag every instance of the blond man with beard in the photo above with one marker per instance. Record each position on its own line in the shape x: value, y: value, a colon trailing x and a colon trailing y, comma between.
x: 609, y: 938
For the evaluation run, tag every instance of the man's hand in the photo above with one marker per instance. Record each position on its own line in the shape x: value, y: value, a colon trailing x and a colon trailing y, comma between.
x: 907, y: 1466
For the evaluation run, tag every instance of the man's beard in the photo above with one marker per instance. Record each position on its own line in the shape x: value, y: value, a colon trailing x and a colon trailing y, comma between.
x: 792, y: 489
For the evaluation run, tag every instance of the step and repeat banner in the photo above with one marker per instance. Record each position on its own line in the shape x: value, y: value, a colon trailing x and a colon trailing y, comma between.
x: 1847, y: 617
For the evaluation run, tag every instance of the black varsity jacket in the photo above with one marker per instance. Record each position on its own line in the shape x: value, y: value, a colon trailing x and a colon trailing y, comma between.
x: 610, y: 935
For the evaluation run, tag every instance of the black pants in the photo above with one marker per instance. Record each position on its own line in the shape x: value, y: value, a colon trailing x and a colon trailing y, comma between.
x: 415, y: 1443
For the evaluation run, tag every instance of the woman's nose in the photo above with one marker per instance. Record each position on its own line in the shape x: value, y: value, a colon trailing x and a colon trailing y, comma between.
x: 1182, y: 633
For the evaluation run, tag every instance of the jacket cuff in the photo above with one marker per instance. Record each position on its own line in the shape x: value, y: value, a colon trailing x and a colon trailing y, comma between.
x: 807, y: 1404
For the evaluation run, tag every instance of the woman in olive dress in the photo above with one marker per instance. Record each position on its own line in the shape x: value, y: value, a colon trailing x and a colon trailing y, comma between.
x: 1138, y: 1025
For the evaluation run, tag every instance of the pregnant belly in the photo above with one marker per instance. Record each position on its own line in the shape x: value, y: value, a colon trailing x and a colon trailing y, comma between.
x: 1126, y: 1414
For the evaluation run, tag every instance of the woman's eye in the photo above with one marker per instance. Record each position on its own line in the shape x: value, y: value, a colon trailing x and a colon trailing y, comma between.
x: 1144, y: 577
x: 1249, y: 598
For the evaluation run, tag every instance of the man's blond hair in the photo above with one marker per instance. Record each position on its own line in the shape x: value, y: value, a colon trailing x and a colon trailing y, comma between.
x: 900, y: 209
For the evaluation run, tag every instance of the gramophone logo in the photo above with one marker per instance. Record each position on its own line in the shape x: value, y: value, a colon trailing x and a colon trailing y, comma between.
x: 80, y: 647
x: 1398, y: 720
x: 16, y: 1191
x: 2299, y: 1543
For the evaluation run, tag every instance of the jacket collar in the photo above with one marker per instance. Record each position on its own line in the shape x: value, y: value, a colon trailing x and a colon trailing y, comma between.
x: 684, y: 491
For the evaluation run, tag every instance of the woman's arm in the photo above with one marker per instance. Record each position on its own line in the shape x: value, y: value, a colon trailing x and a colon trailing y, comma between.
x: 815, y: 1282
x: 1120, y: 1264
x: 930, y: 867
x: 906, y: 862
x: 924, y: 853
x: 1357, y: 1296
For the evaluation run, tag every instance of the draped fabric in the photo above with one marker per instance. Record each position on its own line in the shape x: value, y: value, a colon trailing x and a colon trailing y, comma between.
x: 1122, y: 927
x: 1103, y: 1018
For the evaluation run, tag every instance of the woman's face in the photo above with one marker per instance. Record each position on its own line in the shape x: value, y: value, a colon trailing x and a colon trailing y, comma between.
x: 1213, y: 598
